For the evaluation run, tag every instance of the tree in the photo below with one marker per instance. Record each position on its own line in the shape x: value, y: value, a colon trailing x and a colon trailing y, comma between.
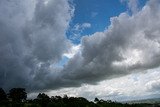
x: 43, y: 96
x: 65, y: 98
x: 3, y: 95
x: 43, y: 99
x: 96, y: 100
x: 17, y: 94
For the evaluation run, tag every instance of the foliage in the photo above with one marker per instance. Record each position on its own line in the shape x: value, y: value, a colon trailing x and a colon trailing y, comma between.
x: 3, y: 95
x: 18, y: 96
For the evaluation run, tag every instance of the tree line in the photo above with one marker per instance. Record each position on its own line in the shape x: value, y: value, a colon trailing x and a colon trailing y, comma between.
x: 17, y: 97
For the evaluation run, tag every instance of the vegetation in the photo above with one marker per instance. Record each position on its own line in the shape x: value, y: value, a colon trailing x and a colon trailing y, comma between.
x: 17, y: 94
x: 17, y: 98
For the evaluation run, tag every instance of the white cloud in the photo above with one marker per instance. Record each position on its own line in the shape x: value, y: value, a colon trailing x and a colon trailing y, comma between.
x: 86, y: 25
x: 72, y: 51
x: 80, y: 27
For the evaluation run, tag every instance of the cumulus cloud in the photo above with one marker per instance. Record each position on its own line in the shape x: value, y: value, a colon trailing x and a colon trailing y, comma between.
x: 130, y: 44
x: 32, y: 38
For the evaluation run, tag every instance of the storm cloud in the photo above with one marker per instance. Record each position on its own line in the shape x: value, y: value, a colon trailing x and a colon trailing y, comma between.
x: 32, y: 38
x: 33, y: 41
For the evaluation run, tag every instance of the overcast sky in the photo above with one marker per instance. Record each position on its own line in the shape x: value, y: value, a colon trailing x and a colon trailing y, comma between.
x: 108, y: 49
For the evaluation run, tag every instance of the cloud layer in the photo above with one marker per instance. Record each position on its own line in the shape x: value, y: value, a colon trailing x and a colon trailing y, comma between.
x: 130, y: 87
x: 32, y: 41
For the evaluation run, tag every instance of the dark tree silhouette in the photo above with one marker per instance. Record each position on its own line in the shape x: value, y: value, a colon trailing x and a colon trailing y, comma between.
x: 65, y: 98
x: 57, y: 101
x: 3, y: 95
x: 17, y: 94
x: 43, y: 96
x: 96, y: 100
x: 43, y: 99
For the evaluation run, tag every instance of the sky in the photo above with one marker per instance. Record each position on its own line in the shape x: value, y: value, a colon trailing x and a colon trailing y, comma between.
x: 109, y: 49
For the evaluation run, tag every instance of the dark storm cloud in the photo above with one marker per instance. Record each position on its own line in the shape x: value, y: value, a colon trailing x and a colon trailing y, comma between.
x: 32, y: 37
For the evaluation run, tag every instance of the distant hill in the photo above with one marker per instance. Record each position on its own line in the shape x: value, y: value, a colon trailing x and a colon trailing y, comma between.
x: 149, y: 101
